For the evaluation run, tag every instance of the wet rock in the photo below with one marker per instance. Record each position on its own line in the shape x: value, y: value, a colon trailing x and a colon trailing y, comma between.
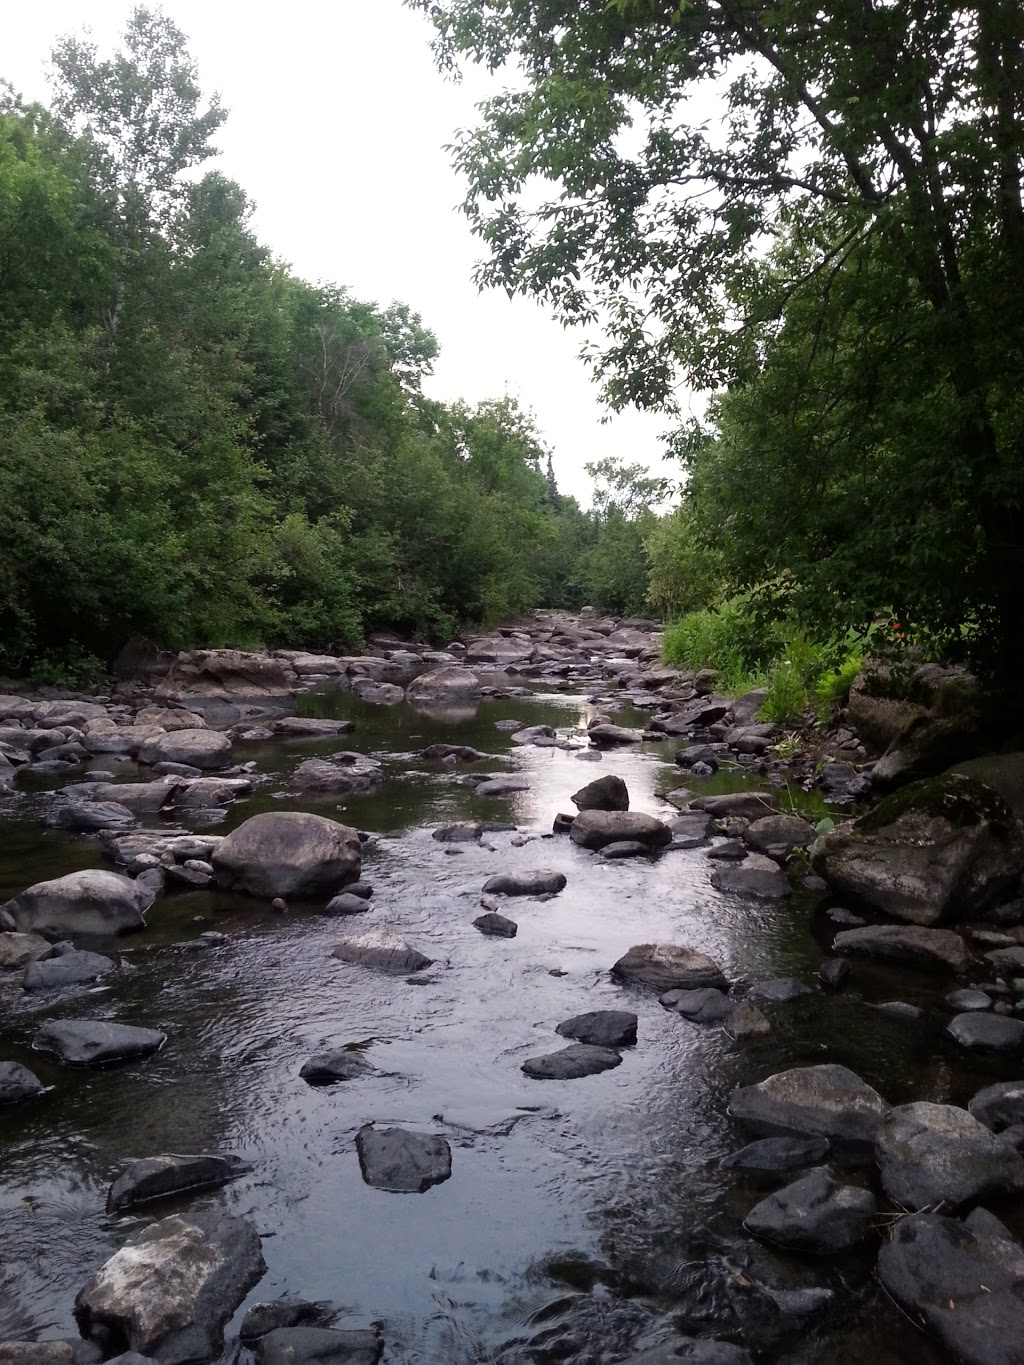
x: 172, y: 1287
x: 533, y: 734
x: 936, y: 1155
x: 157, y: 1177
x: 846, y: 919
x: 730, y: 851
x: 262, y: 1318
x: 702, y: 1352
x: 601, y: 1028
x: 778, y: 1156
x: 746, y: 1021
x: 170, y: 718
x: 756, y: 876
x: 779, y: 990
x: 347, y: 904
x: 668, y: 966
x: 999, y: 1106
x: 697, y: 753
x: 342, y: 779
x: 594, y: 829
x: 59, y: 1353
x: 402, y: 1161
x: 963, y: 1281
x: 827, y: 1101
x: 570, y: 1063
x: 18, y: 950
x: 502, y: 786
x: 312, y: 727
x: 378, y: 693
x: 18, y: 1083
x: 70, y: 969
x: 451, y: 685
x: 288, y: 853
x: 900, y: 1009
x: 206, y: 749
x: 910, y: 944
x: 508, y: 724
x: 707, y: 1006
x: 318, y: 1346
x: 205, y: 792
x: 382, y: 950
x: 624, y: 848
x: 462, y: 832
x: 814, y: 1214
x: 1007, y: 961
x: 326, y: 1068
x: 145, y: 798
x: 562, y: 823
x: 833, y: 973
x: 96, y: 815
x: 988, y: 1033
x: 465, y: 753
x: 779, y: 834
x: 694, y: 825
x: 535, y: 883
x: 87, y: 902
x: 604, y: 793
x: 966, y: 1001
x: 93, y: 1042
x: 607, y: 736
x: 740, y: 805
x: 497, y: 926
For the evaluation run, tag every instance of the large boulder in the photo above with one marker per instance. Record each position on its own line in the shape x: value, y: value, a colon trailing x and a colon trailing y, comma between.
x: 497, y: 649
x: 94, y: 1042
x: 169, y: 718
x: 288, y: 853
x: 223, y: 675
x: 814, y: 1214
x: 451, y: 685
x: 668, y: 967
x: 935, y: 851
x: 963, y: 1281
x: 1004, y: 773
x: 172, y: 1287
x: 594, y: 829
x: 88, y: 902
x: 604, y: 793
x: 906, y: 943
x: 601, y: 1028
x: 938, y: 1156
x: 402, y: 1161
x: 827, y: 1101
x: 206, y: 749
x: 533, y: 883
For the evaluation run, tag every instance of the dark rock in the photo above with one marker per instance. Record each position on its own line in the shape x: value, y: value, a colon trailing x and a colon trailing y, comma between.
x: 693, y: 825
x: 756, y: 876
x: 936, y: 1155
x: 383, y: 950
x: 814, y: 1214
x: 910, y: 944
x: 502, y: 786
x: 778, y: 1156
x: 594, y: 829
x: 779, y: 832
x: 205, y: 749
x: 988, y: 1033
x: 496, y: 925
x: 341, y: 779
x: 780, y: 990
x: 999, y: 1106
x: 668, y: 966
x: 97, y: 815
x: 845, y: 918
x: 462, y: 832
x: 169, y: 1291
x: 92, y: 1042
x: 606, y: 735
x: 697, y: 753
x: 319, y: 1346
x: 533, y: 734
x: 288, y: 853
x: 347, y: 904
x: 156, y: 1177
x: 963, y: 1281
x: 730, y: 851
x: 18, y: 1083
x: 601, y: 1028
x: 625, y: 848
x: 61, y: 1353
x: 328, y: 1067
x: 741, y: 805
x: 746, y: 1021
x: 833, y: 973
x: 312, y: 727
x: 707, y: 1006
x: 1007, y: 961
x: 604, y: 793
x: 70, y: 969
x: 87, y: 902
x: 827, y: 1101
x: 966, y: 1001
x: 900, y: 1009
x: 702, y: 1352
x: 465, y: 753
x: 448, y: 686
x: 262, y: 1318
x: 402, y: 1161
x: 570, y: 1063
x: 534, y: 883
x: 362, y: 889
x: 562, y: 823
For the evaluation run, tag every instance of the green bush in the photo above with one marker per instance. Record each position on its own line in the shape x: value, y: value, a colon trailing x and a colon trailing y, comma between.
x: 787, y: 694
x: 832, y: 689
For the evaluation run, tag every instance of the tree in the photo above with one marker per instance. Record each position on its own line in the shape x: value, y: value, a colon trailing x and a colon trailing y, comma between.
x: 683, y: 139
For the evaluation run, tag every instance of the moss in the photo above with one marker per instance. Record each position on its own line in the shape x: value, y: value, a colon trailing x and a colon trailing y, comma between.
x: 961, y: 801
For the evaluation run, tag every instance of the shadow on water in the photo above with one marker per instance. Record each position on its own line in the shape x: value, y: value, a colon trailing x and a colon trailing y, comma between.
x: 581, y: 1217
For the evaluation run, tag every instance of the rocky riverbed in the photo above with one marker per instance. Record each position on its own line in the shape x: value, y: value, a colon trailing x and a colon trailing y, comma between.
x: 318, y: 1042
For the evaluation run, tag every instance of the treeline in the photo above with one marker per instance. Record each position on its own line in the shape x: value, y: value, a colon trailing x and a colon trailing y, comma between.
x: 199, y: 447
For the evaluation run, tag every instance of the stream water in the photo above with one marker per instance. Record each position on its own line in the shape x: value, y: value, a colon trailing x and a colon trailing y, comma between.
x: 583, y: 1218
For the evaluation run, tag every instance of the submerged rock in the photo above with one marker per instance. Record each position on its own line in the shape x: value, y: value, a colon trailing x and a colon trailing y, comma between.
x: 88, y: 902
x: 827, y: 1101
x: 157, y: 1177
x: 326, y: 1068
x: 814, y: 1214
x: 535, y: 883
x: 93, y: 1042
x: 601, y: 1028
x: 69, y: 969
x: 668, y: 966
x: 319, y: 1346
x: 570, y: 1063
x: 936, y: 1155
x: 288, y: 853
x: 18, y: 1083
x: 262, y: 1318
x: 401, y: 1161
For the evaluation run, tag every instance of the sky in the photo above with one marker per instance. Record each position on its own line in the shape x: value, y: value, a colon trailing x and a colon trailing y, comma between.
x: 337, y: 128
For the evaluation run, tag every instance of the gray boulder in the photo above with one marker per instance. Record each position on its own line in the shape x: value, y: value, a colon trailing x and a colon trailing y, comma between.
x: 755, y: 876
x: 157, y: 1177
x: 93, y: 1042
x: 702, y: 1006
x: 401, y: 1161
x: 312, y: 727
x: 172, y: 1287
x: 827, y: 1101
x: 779, y: 834
x: 594, y: 829
x: 347, y: 904
x: 536, y: 883
x: 288, y: 853
x: 606, y: 736
x: 999, y: 1106
x: 604, y: 793
x: 495, y: 925
x: 145, y: 798
x: 939, y: 1156
x: 780, y: 990
x: 910, y: 944
x: 451, y: 685
x: 667, y: 967
x: 319, y: 1346
x: 382, y: 950
x: 737, y: 805
x: 570, y: 1063
x: 601, y: 1028
x: 69, y: 969
x: 625, y: 848
x: 18, y: 950
x: 746, y: 1021
x: 988, y: 1033
x: 230, y: 675
x: 205, y: 749
x: 18, y: 1083
x: 347, y: 779
x: 814, y: 1214
x: 87, y: 902
x: 502, y: 785
x: 97, y: 815
x: 205, y: 792
x: 778, y: 1156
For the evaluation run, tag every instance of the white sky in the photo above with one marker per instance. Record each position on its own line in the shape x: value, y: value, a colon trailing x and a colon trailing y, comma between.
x: 337, y: 125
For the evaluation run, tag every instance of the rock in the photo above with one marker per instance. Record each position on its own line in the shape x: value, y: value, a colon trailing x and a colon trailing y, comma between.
x: 935, y: 851
x: 205, y: 792
x: 61, y: 1353
x: 706, y: 1006
x: 780, y: 833
x: 846, y: 918
x: 833, y: 973
x: 963, y: 1002
x: 594, y: 829
x: 963, y: 1281
x: 778, y: 1156
x: 496, y: 925
x: 328, y: 1067
x: 604, y: 793
x: 877, y: 717
x: 172, y: 1287
x: 999, y: 1106
x: 451, y: 685
x: 570, y: 1063
x: 18, y: 950
x: 205, y: 749
x: 93, y: 1042
x: 910, y: 944
x: 667, y: 966
x: 696, y: 754
x: 262, y: 1318
x: 157, y: 1177
x: 288, y: 853
x: 1007, y: 961
x: 702, y: 1352
x: 18, y: 1083
x: 601, y: 1028
x: 347, y: 904
x: 925, y: 747
x: 462, y: 832
x: 827, y: 1101
x: 535, y: 883
x: 321, y: 775
x: 625, y: 848
x: 731, y: 851
x: 533, y: 734
x: 900, y: 1009
x: 145, y: 798
x: 738, y: 805
x: 988, y: 1033
x: 606, y: 735
x: 694, y: 825
x: 779, y: 990
x: 936, y: 1155
x: 383, y: 950
x: 402, y: 1161
x: 814, y: 1214
x: 223, y: 675
x: 319, y: 1346
x: 70, y: 969
x: 465, y: 753
x: 746, y: 1021
x: 756, y: 876
x: 87, y: 902
x: 502, y: 786
x: 97, y: 815
x: 562, y: 823
x: 169, y: 718
x: 312, y: 727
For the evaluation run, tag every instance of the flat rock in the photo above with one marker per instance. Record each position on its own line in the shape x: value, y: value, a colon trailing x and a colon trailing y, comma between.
x: 536, y: 883
x: 402, y: 1161
x: 288, y: 853
x: 289, y: 1311
x: 668, y: 966
x: 87, y: 818
x: 703, y: 1006
x: 966, y: 1001
x: 172, y: 1287
x: 604, y: 793
x: 70, y: 969
x: 325, y: 1068
x: 999, y: 1106
x: 206, y: 749
x: 145, y: 798
x: 18, y: 1083
x: 907, y: 943
x: 451, y: 686
x: 464, y: 753
x: 738, y: 805
x: 936, y: 1155
x: 963, y: 1281
x: 606, y: 736
x: 570, y: 1063
x: 497, y: 926
x: 92, y: 901
x: 779, y: 990
x: 988, y: 1033
x: 502, y: 786
x: 382, y: 950
x: 814, y: 1214
x: 756, y: 876
x: 778, y: 1155
x: 92, y: 1042
x: 157, y: 1177
x: 312, y: 727
x: 319, y: 1346
x: 625, y: 848
x: 601, y: 1028
x: 827, y: 1101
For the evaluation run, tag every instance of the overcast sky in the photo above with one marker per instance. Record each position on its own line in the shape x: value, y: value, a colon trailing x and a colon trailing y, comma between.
x: 337, y: 127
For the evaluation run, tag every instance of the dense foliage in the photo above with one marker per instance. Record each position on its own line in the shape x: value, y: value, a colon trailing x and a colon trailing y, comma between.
x: 814, y: 213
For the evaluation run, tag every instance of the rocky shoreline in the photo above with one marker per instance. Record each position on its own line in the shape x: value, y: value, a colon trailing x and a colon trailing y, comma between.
x: 928, y: 878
